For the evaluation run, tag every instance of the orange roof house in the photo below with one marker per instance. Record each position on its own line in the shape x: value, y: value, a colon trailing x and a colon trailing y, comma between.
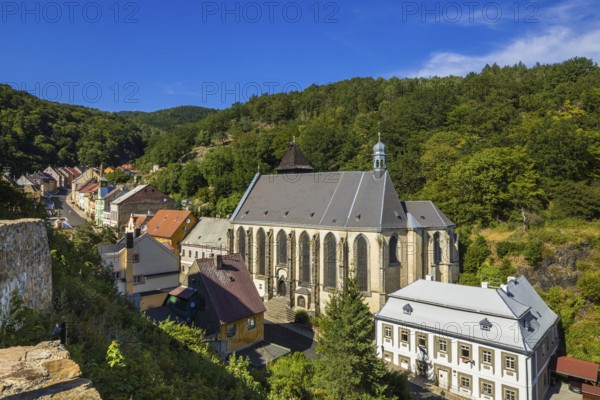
x: 171, y: 226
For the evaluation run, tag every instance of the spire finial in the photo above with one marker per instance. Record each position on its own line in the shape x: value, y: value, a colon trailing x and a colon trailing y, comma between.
x: 379, y: 136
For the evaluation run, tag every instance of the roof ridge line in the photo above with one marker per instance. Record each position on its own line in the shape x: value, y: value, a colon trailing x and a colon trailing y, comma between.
x: 332, y: 197
x: 383, y: 198
x: 354, y: 200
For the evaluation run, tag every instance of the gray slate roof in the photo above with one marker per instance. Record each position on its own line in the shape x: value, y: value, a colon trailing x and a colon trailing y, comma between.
x: 519, y: 317
x: 349, y: 200
x: 208, y: 231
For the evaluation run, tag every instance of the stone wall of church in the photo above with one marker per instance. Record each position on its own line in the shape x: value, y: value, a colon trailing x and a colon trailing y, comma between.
x: 25, y: 263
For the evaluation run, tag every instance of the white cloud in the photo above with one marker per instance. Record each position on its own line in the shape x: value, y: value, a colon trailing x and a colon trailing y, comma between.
x: 554, y: 45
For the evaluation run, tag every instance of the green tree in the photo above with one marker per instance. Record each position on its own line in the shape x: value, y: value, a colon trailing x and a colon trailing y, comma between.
x: 494, y: 183
x: 290, y: 377
x: 117, y: 177
x: 349, y: 367
x: 191, y: 179
x: 476, y: 254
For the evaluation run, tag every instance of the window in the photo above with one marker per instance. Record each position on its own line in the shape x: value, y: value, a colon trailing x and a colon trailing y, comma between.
x: 260, y: 251
x: 422, y: 340
x: 486, y: 357
x: 394, y: 250
x: 189, y: 254
x: 135, y: 258
x: 231, y: 330
x: 404, y: 335
x: 330, y: 261
x: 509, y: 363
x: 442, y: 345
x: 281, y: 247
x: 304, y: 258
x: 487, y: 389
x: 362, y: 273
x: 465, y: 351
x: 116, y: 275
x: 387, y: 332
x: 251, y: 323
x: 387, y: 356
x: 510, y: 394
x: 196, y: 254
x: 437, y: 250
x: 139, y: 279
x: 465, y: 382
x: 301, y: 302
x: 242, y: 242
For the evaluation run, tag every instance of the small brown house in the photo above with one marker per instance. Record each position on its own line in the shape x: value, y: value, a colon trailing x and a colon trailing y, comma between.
x: 229, y: 306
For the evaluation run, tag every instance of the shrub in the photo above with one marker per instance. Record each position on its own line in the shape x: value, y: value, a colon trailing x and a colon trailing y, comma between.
x: 533, y: 252
x: 469, y: 279
x: 505, y: 248
x: 302, y: 317
x: 475, y: 255
x: 589, y: 284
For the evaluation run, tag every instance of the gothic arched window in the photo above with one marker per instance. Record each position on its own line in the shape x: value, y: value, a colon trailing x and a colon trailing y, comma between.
x: 394, y: 249
x: 304, y: 258
x: 281, y: 247
x: 362, y: 263
x: 330, y: 261
x: 260, y: 251
x: 437, y: 250
x: 241, y: 242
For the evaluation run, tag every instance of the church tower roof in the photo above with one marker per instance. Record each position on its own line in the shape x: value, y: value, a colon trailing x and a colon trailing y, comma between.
x: 294, y: 162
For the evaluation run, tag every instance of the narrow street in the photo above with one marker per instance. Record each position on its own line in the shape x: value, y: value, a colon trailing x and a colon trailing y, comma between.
x: 65, y: 210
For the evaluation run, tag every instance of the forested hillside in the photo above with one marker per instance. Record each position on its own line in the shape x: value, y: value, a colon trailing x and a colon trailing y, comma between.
x: 35, y: 133
x: 169, y: 118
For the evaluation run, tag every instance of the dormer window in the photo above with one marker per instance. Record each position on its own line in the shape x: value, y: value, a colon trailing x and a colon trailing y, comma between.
x: 407, y: 309
x: 485, y: 325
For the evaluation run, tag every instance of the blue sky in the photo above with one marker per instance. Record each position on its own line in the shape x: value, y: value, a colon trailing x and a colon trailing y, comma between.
x: 148, y: 55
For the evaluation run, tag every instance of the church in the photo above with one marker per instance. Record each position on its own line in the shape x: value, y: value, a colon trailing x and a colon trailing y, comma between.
x: 303, y: 233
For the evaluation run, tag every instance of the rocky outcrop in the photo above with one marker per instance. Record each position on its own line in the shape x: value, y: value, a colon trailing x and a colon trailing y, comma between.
x: 25, y: 263
x: 42, y: 372
x: 558, y: 268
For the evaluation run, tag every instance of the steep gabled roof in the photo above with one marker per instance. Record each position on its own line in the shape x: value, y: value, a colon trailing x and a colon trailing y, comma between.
x: 230, y: 287
x: 294, y: 161
x: 423, y: 213
x: 353, y: 200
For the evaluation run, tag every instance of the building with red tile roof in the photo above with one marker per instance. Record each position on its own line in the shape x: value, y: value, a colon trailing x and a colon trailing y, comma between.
x: 171, y: 226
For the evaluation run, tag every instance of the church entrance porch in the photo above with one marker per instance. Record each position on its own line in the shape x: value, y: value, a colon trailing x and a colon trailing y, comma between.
x: 281, y: 288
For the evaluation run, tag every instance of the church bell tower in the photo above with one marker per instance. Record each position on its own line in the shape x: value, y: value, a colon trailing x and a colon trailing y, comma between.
x: 379, y: 158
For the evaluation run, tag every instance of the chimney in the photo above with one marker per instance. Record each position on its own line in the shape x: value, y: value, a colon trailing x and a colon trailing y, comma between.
x: 485, y: 285
x: 510, y: 279
x: 504, y: 287
x: 434, y: 273
x: 218, y: 259
x: 129, y: 263
x: 129, y: 240
x: 428, y: 278
x: 137, y: 232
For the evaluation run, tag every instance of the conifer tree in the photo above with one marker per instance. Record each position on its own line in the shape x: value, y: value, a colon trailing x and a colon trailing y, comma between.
x: 349, y: 367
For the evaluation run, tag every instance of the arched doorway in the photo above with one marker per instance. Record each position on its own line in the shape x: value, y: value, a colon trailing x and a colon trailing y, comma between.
x: 281, y: 288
